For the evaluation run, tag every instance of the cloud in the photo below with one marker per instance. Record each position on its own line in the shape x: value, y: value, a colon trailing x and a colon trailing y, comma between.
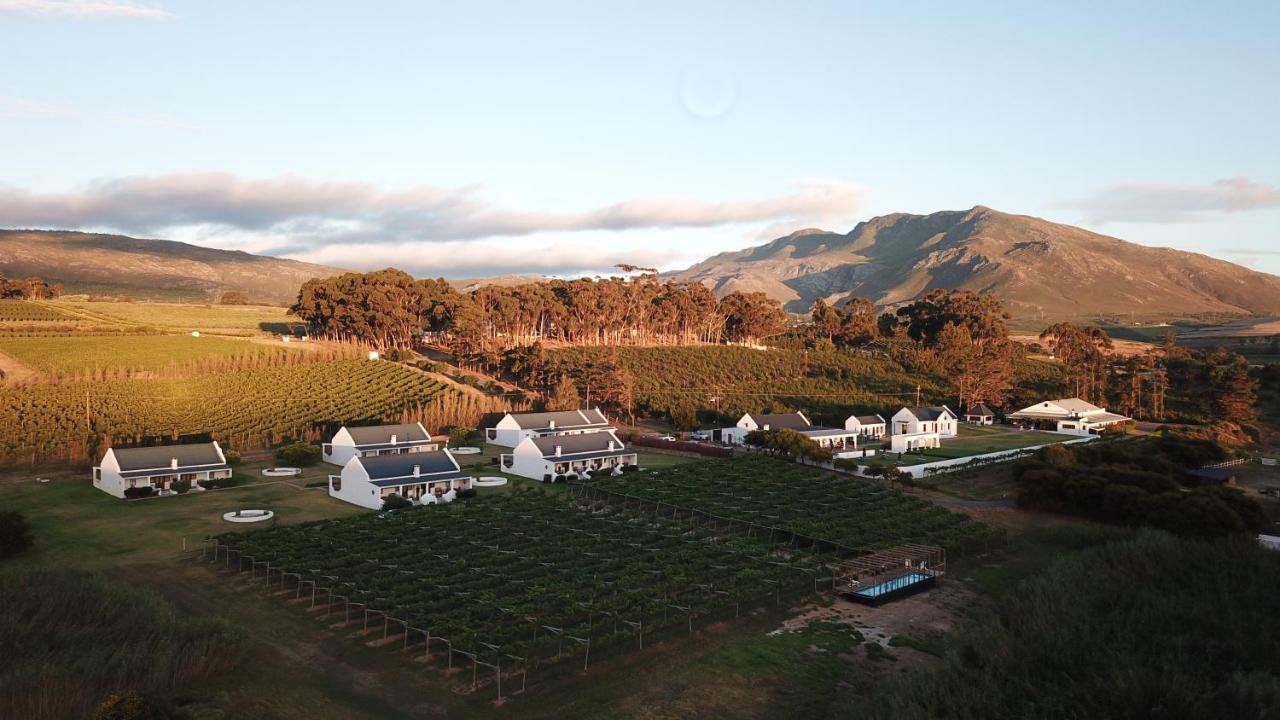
x: 85, y: 9
x: 1166, y: 203
x: 28, y: 109
x: 306, y: 215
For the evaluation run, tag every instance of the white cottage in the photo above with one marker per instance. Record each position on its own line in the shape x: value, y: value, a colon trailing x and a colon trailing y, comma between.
x: 867, y: 426
x: 373, y: 440
x: 937, y: 418
x: 546, y: 458
x: 980, y: 414
x: 159, y: 467
x: 514, y: 427
x: 1068, y: 415
x: 425, y: 477
x: 834, y: 438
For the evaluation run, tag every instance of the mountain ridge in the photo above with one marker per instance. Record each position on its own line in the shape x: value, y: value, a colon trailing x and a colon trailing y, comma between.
x: 1037, y: 267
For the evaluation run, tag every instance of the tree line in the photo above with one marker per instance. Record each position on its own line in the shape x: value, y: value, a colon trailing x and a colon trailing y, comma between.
x: 33, y: 288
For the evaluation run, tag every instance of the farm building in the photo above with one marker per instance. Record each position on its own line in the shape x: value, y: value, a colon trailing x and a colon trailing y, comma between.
x: 835, y: 438
x: 868, y: 426
x: 546, y: 458
x: 936, y: 419
x: 514, y: 427
x: 159, y: 467
x: 1068, y: 415
x: 423, y: 477
x: 980, y: 414
x: 373, y: 440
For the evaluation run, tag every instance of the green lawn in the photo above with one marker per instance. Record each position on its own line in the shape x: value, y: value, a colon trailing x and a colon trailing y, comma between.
x: 976, y: 440
x: 78, y: 525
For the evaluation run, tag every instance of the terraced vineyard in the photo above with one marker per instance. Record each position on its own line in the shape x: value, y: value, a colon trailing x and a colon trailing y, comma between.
x: 245, y: 409
x: 523, y: 581
x: 849, y: 511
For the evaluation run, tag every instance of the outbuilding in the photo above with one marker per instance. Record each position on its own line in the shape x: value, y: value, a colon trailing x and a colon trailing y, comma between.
x: 372, y: 440
x: 159, y: 467
x: 426, y: 477
x: 556, y: 457
x: 980, y: 414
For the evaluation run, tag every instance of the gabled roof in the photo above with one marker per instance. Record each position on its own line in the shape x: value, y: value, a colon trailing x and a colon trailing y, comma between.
x: 563, y: 419
x: 161, y: 457
x: 933, y: 412
x: 587, y: 444
x: 777, y: 421
x: 381, y: 434
x: 817, y: 432
x: 980, y: 410
x: 1076, y: 405
x: 1049, y: 408
x: 431, y: 465
x: 870, y: 419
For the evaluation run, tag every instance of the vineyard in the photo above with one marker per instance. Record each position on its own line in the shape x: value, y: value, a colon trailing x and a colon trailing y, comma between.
x: 184, y: 317
x: 827, y: 385
x: 243, y: 409
x: 71, y: 356
x: 774, y: 494
x: 22, y: 311
x: 515, y: 585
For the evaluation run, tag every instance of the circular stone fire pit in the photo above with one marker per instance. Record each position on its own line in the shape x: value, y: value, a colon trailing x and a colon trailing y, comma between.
x: 492, y: 481
x: 282, y: 472
x: 248, y: 516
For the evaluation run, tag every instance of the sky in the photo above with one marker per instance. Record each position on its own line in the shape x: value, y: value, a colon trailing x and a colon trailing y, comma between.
x: 562, y: 138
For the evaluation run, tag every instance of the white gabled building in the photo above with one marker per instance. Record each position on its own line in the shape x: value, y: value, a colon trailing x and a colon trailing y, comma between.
x: 834, y: 438
x: 425, y: 478
x: 159, y: 467
x: 373, y: 440
x: 980, y: 414
x: 867, y: 426
x: 545, y: 458
x: 514, y: 427
x: 1069, y: 415
x: 937, y: 419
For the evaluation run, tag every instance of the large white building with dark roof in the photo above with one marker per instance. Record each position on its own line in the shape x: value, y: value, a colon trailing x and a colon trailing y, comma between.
x: 424, y: 477
x: 834, y: 438
x: 158, y: 467
x: 557, y: 456
x: 515, y: 427
x: 372, y: 440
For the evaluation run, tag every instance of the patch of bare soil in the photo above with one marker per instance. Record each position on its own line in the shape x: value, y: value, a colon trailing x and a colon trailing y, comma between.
x: 13, y: 372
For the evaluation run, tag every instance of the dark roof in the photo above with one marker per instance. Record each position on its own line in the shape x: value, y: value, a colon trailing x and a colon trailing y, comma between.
x: 777, y: 421
x: 929, y: 413
x: 162, y: 456
x: 816, y: 431
x: 587, y: 443
x: 870, y: 419
x: 564, y: 419
x: 381, y: 434
x: 980, y: 410
x: 382, y: 467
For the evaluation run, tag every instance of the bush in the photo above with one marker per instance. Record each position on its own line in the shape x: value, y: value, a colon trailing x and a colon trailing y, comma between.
x: 396, y: 502
x: 129, y: 705
x: 15, y: 534
x: 466, y: 493
x: 462, y: 435
x: 233, y: 457
x: 299, y: 454
x: 558, y: 478
x: 546, y: 478
x: 180, y: 486
x: 139, y: 492
x: 219, y: 483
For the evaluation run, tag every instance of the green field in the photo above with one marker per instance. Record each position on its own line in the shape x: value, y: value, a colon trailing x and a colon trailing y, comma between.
x: 22, y: 311
x: 976, y: 440
x: 184, y: 317
x: 74, y: 355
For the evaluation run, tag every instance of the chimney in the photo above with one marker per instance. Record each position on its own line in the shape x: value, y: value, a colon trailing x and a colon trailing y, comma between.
x: 558, y: 449
x: 417, y: 470
x: 766, y: 427
x: 611, y: 445
x: 173, y: 463
x: 393, y: 438
x: 552, y: 425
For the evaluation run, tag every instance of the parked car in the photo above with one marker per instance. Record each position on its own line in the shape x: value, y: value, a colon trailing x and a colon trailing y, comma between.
x: 700, y: 436
x: 668, y: 438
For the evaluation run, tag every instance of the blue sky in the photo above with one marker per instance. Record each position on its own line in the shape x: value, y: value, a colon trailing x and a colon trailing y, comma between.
x: 478, y: 138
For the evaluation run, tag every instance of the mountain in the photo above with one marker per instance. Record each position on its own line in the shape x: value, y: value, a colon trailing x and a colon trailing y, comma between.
x: 150, y: 269
x: 1040, y: 269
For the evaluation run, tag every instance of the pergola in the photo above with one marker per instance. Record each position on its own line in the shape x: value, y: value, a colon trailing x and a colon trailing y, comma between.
x: 888, y: 574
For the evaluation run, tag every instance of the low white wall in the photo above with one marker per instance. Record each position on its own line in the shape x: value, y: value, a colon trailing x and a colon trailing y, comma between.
x: 919, y: 471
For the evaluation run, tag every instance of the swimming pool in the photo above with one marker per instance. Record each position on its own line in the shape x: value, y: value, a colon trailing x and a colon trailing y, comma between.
x: 890, y: 585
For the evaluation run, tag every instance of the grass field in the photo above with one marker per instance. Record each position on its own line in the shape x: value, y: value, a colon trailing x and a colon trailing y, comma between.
x: 72, y: 355
x: 976, y: 440
x: 184, y: 317
x: 22, y: 311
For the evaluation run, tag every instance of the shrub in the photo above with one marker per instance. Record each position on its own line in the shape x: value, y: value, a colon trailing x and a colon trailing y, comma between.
x: 233, y: 457
x: 180, y: 486
x: 558, y: 478
x: 129, y: 705
x: 15, y: 534
x: 299, y: 454
x: 396, y: 502
x: 462, y: 435
x: 546, y: 477
x: 466, y: 493
x: 139, y: 492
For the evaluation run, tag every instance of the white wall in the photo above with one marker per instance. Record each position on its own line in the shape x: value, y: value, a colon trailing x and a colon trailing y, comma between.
x: 355, y: 487
x: 341, y: 448
x: 108, y: 477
